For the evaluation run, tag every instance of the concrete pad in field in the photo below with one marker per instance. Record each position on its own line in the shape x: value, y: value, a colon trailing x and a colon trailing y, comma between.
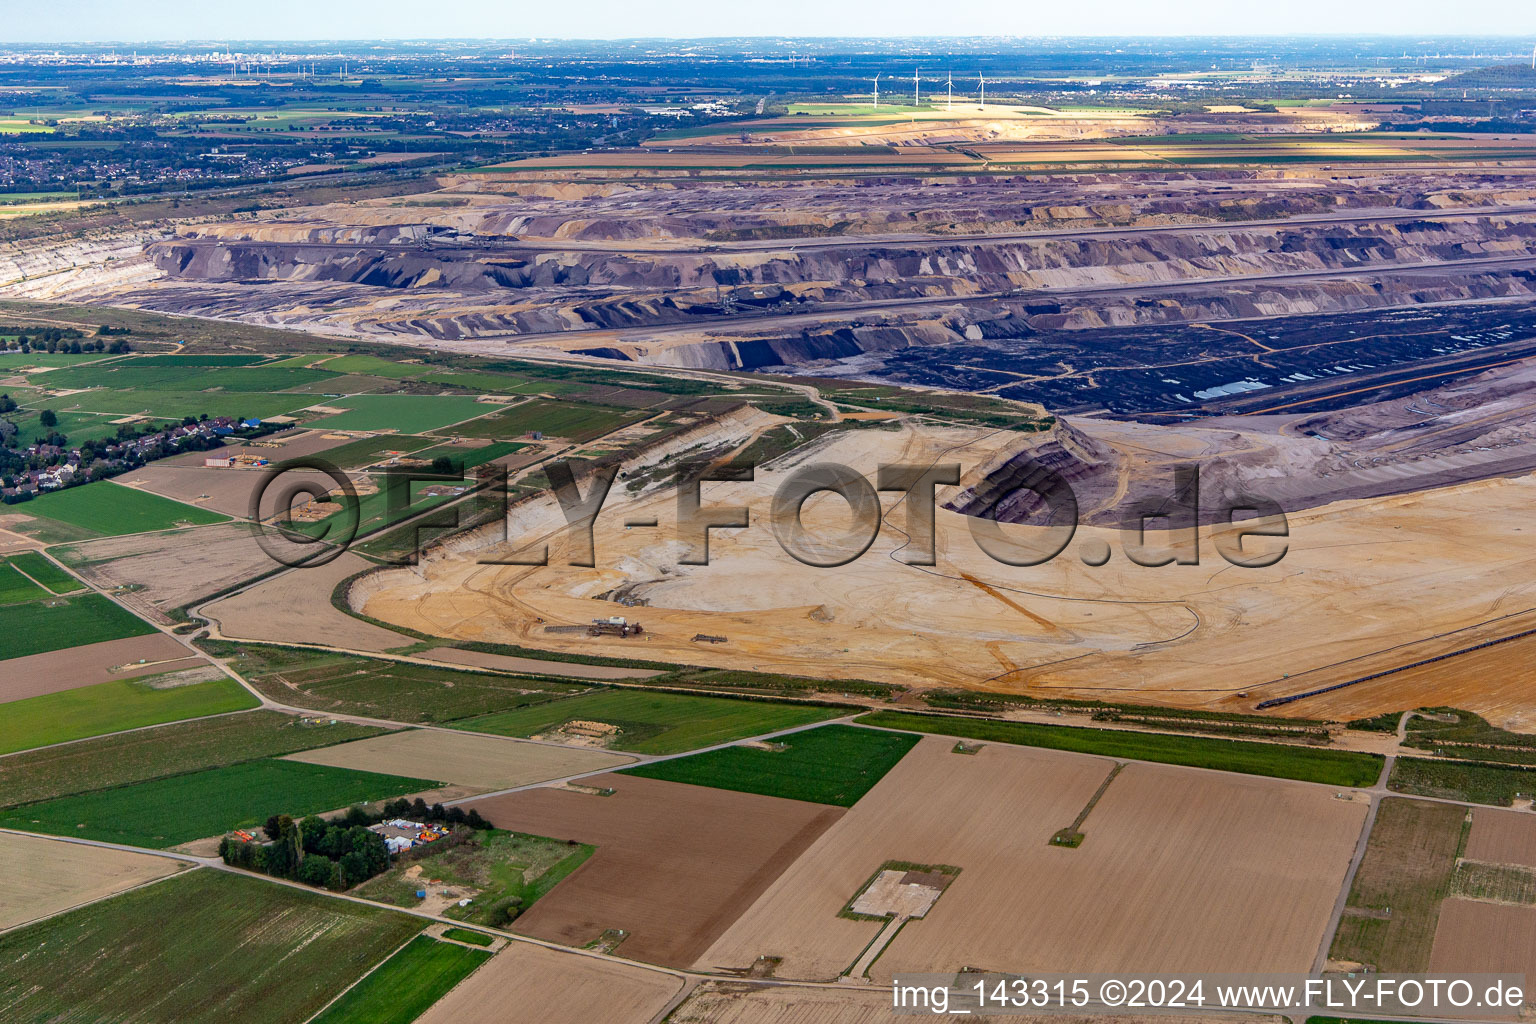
x: 483, y: 762
x: 44, y: 877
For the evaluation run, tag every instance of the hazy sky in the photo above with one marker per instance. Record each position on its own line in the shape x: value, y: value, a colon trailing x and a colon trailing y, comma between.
x: 122, y: 20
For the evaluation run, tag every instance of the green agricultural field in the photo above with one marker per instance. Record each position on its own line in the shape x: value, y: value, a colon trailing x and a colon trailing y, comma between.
x: 656, y: 723
x: 468, y: 458
x: 832, y: 764
x: 204, y: 947
x: 408, y: 414
x: 572, y: 420
x: 16, y: 588
x: 113, y: 707
x: 79, y: 427
x: 373, y: 366
x: 367, y: 450
x: 110, y: 509
x: 510, y: 870
x: 1309, y: 764
x: 1462, y: 780
x: 45, y: 572
x: 22, y: 360
x: 397, y: 691
x: 199, y: 359
x: 465, y: 935
x: 502, y: 383
x: 12, y: 198
x: 1394, y: 902
x: 406, y: 984
x: 55, y: 623
x: 188, y: 375
x: 121, y: 760
x: 166, y: 405
x: 170, y: 811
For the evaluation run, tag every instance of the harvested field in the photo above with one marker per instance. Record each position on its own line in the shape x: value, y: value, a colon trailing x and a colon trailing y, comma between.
x: 1307, y: 764
x: 1484, y: 937
x: 168, y: 750
x: 1502, y: 837
x: 509, y: 663
x: 89, y: 664
x: 278, y: 447
x: 223, y: 490
x: 168, y: 570
x: 673, y: 897
x: 1407, y: 870
x: 1175, y: 869
x: 481, y: 762
x: 552, y: 987
x: 45, y: 877
x: 724, y: 1002
x: 241, y: 948
x: 296, y: 607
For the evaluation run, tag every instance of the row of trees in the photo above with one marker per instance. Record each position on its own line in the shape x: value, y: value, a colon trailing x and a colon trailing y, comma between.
x: 27, y: 343
x: 333, y: 854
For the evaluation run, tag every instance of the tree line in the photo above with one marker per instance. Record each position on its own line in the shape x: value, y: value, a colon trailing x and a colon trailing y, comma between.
x: 334, y: 854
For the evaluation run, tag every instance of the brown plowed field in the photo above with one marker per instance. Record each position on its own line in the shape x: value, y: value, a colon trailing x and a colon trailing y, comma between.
x: 70, y: 669
x: 296, y: 607
x: 44, y: 877
x: 674, y: 866
x: 1181, y: 870
x: 534, y: 985
x: 1502, y: 837
x: 1493, y: 938
x: 170, y: 569
x: 287, y: 446
x: 720, y: 1002
x: 223, y: 490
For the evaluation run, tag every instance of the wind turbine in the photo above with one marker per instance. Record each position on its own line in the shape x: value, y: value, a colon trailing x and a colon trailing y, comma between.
x: 876, y: 105
x: 951, y: 91
x: 983, y: 80
x: 915, y: 89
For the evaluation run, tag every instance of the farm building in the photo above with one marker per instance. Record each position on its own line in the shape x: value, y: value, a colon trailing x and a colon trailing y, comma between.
x: 401, y: 835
